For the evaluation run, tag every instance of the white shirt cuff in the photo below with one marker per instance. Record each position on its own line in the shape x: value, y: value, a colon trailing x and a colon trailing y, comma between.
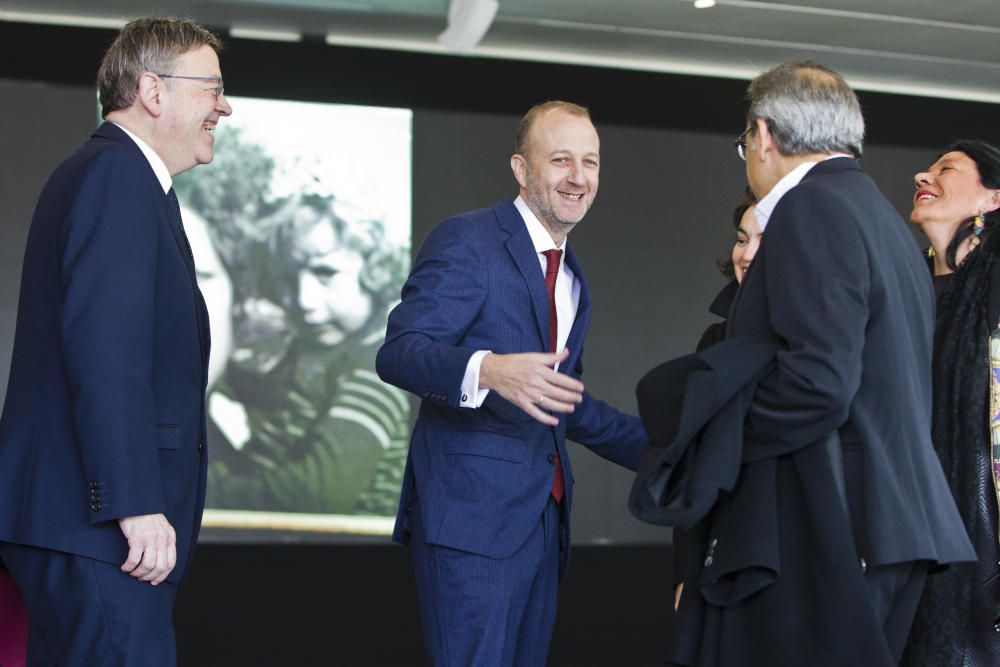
x: 472, y: 395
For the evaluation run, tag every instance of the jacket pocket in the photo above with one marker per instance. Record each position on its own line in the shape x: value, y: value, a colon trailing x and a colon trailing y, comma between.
x: 168, y: 436
x: 489, y: 445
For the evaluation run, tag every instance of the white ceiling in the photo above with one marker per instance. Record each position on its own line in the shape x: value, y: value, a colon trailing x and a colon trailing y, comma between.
x: 939, y: 48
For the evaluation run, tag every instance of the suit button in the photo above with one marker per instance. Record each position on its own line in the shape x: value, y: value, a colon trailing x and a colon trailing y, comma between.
x: 552, y: 458
x: 708, y: 562
x: 201, y: 446
x: 96, y: 507
x: 864, y: 565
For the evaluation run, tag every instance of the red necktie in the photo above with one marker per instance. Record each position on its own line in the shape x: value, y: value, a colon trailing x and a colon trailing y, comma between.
x: 552, y: 258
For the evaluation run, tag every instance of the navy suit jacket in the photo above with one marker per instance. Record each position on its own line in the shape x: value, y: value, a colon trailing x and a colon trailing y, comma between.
x: 483, y: 475
x: 104, y: 416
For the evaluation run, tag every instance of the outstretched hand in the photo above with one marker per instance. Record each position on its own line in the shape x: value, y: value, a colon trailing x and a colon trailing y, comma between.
x: 152, y: 547
x: 529, y: 381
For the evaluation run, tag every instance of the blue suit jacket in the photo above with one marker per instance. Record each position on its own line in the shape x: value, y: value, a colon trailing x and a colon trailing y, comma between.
x: 483, y: 476
x: 104, y: 415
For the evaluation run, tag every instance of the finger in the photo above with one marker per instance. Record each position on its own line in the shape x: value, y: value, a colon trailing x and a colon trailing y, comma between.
x: 159, y: 558
x: 148, y: 562
x: 132, y: 560
x: 162, y: 562
x: 550, y: 405
x: 550, y: 359
x: 539, y: 415
x: 171, y: 559
x: 555, y: 394
x: 564, y: 382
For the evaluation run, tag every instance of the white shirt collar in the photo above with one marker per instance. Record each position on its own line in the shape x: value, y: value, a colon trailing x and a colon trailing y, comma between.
x: 159, y: 168
x: 766, y: 205
x: 539, y: 235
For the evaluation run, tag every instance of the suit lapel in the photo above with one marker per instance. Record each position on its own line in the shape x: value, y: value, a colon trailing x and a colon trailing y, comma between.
x: 182, y: 245
x: 200, y: 309
x: 522, y: 252
x: 579, y: 328
x: 112, y: 132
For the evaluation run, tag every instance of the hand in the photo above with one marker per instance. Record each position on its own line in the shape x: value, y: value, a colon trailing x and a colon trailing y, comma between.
x: 152, y: 547
x: 528, y: 381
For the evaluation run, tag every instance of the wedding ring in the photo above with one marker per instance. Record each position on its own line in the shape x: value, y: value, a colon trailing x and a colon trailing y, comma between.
x: 541, y: 400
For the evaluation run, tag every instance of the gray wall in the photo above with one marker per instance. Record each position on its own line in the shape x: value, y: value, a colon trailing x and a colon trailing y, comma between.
x: 648, y: 246
x: 41, y: 124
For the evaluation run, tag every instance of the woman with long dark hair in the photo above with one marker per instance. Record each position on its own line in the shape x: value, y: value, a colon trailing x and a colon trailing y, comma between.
x: 745, y: 245
x: 956, y: 205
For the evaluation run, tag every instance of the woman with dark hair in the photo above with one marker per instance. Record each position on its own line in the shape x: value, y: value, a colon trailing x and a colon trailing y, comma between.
x: 956, y: 206
x: 745, y: 245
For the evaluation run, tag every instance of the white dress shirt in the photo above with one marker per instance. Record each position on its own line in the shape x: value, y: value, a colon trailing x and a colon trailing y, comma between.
x: 765, y: 207
x: 567, y: 302
x: 159, y: 168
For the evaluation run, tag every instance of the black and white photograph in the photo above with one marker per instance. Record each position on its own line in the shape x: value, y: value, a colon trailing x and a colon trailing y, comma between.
x: 301, y: 237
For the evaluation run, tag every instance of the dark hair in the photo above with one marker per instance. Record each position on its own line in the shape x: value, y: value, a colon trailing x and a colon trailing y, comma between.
x: 726, y: 263
x: 987, y: 159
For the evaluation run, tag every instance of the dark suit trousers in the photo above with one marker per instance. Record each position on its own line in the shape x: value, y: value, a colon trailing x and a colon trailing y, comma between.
x: 484, y: 612
x: 895, y: 592
x: 88, y: 613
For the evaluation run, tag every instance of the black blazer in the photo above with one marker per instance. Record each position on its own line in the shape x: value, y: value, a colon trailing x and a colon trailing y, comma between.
x: 839, y: 285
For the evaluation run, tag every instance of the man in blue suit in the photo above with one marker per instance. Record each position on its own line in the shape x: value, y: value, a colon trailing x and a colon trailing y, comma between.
x: 489, y: 335
x: 102, y: 457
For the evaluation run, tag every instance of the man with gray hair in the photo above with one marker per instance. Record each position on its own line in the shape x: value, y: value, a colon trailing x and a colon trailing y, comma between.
x: 818, y: 554
x: 102, y: 456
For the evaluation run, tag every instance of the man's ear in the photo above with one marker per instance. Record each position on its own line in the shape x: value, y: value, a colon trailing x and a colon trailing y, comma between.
x: 765, y: 140
x: 519, y: 165
x: 151, y: 88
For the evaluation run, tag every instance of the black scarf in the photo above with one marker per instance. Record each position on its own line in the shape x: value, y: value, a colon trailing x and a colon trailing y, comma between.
x: 961, y: 371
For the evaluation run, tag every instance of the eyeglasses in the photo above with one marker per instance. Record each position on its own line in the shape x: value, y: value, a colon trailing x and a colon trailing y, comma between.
x: 217, y: 80
x: 741, y: 144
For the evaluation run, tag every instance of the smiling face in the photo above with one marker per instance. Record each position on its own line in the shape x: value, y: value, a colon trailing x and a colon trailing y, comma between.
x: 558, y: 173
x: 191, y: 110
x: 748, y: 237
x: 950, y: 191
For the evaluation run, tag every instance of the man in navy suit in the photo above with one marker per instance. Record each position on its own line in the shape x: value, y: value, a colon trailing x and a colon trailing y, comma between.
x: 489, y: 335
x: 102, y: 456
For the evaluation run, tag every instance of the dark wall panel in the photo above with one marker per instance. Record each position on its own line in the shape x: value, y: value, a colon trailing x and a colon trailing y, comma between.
x: 41, y: 123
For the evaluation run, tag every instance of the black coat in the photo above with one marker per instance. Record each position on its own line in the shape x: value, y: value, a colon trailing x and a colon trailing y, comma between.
x: 958, y: 622
x: 832, y: 470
